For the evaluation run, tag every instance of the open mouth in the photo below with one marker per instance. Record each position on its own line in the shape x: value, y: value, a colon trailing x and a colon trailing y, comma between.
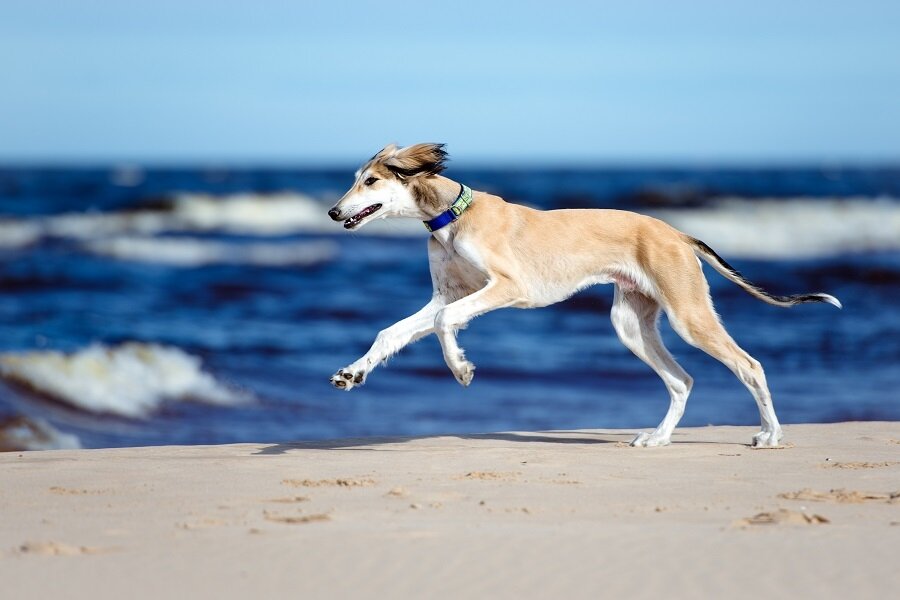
x: 355, y: 219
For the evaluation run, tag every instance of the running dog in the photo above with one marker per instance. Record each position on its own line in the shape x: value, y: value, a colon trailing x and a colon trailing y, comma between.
x: 486, y: 253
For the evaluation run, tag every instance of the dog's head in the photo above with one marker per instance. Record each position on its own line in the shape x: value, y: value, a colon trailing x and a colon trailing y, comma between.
x: 392, y: 184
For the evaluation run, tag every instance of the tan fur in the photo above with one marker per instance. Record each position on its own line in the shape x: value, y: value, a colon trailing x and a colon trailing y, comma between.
x: 500, y: 255
x: 423, y: 159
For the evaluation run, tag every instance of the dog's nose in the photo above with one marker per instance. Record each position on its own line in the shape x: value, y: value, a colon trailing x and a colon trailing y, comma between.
x: 335, y: 214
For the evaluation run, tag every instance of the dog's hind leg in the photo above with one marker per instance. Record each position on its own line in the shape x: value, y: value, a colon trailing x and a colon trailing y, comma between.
x: 455, y: 316
x: 635, y: 317
x: 698, y: 324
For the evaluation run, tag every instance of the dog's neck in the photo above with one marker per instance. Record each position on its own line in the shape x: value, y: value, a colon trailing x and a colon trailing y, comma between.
x: 435, y: 195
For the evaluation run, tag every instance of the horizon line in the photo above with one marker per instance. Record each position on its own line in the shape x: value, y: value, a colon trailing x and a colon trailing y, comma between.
x: 829, y: 163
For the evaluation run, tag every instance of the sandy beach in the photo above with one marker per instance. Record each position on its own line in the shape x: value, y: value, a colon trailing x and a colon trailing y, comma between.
x: 572, y: 514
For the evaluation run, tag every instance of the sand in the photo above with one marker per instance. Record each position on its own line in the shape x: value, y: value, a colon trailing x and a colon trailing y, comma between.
x: 573, y: 514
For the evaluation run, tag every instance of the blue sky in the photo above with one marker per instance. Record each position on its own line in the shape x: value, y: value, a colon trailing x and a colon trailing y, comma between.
x: 558, y: 82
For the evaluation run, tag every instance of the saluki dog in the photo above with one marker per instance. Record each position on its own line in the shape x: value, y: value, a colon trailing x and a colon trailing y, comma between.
x: 486, y: 253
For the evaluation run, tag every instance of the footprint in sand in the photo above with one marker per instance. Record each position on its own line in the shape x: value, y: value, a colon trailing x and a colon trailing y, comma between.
x: 201, y: 524
x: 64, y: 491
x: 563, y: 481
x: 296, y: 519
x: 57, y: 549
x: 290, y: 500
x: 397, y: 492
x: 490, y: 476
x: 347, y: 482
x: 861, y: 465
x: 842, y: 496
x: 781, y: 517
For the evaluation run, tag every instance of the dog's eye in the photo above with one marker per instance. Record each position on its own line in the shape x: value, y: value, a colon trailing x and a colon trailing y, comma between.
x: 370, y: 180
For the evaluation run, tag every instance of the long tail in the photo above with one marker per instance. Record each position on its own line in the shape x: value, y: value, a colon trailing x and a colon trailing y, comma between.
x: 730, y: 273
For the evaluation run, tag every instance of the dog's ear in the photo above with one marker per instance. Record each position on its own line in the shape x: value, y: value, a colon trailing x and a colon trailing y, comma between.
x: 386, y: 151
x: 416, y: 160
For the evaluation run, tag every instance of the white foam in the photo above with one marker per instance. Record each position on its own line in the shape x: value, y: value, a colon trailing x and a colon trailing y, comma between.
x: 20, y: 433
x: 262, y: 215
x: 794, y: 228
x: 131, y: 380
x: 192, y: 252
x: 276, y: 214
x: 17, y: 234
x: 91, y: 225
x: 249, y: 213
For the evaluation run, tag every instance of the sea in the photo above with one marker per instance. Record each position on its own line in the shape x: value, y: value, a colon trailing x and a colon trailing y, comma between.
x: 152, y: 306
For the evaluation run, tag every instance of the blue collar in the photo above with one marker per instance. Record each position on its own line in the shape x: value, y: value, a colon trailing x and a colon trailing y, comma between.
x: 462, y: 202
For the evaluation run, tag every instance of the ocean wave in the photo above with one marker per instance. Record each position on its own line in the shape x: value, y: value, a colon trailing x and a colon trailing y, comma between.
x: 21, y: 433
x: 755, y: 228
x: 17, y: 234
x: 92, y: 225
x: 243, y: 214
x: 276, y: 214
x: 192, y: 252
x: 794, y: 228
x: 129, y: 380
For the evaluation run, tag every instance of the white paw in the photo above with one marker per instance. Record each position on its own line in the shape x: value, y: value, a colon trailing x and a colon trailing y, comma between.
x: 649, y: 440
x: 347, y: 379
x: 464, y: 372
x: 768, y: 439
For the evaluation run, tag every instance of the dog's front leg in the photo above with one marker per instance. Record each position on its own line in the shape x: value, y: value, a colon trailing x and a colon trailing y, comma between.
x: 389, y: 342
x: 455, y: 316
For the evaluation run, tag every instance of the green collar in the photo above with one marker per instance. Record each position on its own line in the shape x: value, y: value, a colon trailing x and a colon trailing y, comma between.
x: 462, y: 202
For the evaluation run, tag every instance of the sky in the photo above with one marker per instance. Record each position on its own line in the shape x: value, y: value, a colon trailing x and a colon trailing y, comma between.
x: 321, y: 83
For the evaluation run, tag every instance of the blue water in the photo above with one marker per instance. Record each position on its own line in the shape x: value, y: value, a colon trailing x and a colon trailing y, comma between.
x: 279, y: 331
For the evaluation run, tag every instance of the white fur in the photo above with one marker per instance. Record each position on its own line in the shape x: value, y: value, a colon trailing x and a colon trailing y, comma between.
x: 394, y: 197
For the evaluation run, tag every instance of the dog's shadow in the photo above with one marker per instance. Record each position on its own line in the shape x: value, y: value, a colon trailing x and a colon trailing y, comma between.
x: 375, y: 444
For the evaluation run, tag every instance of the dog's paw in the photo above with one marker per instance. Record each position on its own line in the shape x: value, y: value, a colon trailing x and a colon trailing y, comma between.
x: 464, y: 373
x: 347, y: 379
x: 768, y: 439
x: 648, y: 440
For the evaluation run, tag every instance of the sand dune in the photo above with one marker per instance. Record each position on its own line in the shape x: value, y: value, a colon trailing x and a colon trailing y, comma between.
x: 509, y: 515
